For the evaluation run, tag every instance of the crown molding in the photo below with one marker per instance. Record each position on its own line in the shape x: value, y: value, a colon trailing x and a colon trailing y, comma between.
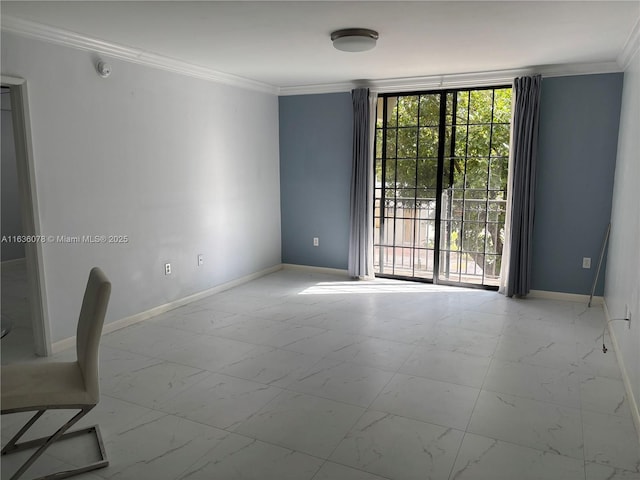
x: 319, y: 88
x: 631, y: 46
x: 477, y: 79
x: 457, y: 80
x: 79, y: 41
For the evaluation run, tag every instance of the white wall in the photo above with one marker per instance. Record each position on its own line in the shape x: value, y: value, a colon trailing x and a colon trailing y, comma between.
x: 623, y: 263
x: 180, y: 165
x: 10, y: 215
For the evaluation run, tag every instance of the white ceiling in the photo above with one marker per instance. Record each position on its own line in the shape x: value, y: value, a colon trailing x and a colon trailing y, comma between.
x: 286, y: 44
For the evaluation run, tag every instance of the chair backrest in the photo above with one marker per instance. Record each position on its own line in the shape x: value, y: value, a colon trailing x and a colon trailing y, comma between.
x: 94, y: 307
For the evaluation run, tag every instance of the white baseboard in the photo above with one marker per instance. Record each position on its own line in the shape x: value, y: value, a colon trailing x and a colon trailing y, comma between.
x: 568, y: 297
x: 310, y: 268
x: 15, y: 261
x: 61, y: 345
x: 633, y: 402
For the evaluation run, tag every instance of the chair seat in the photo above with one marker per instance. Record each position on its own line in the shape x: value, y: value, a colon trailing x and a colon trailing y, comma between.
x: 43, y: 385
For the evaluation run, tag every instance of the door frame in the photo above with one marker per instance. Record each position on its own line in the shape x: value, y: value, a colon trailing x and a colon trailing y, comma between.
x: 30, y: 213
x: 442, y: 93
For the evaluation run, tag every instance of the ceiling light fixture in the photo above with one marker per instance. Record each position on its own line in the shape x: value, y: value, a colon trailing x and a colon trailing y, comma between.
x: 354, y: 39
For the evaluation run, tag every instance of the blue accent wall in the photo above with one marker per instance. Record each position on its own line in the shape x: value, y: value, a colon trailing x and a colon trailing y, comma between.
x: 576, y: 163
x: 315, y: 178
x: 579, y: 119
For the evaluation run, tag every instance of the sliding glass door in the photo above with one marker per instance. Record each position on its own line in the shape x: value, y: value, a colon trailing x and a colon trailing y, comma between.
x: 440, y: 185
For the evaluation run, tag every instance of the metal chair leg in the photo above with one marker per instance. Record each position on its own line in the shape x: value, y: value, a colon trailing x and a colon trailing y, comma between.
x: 45, y: 442
x: 10, y: 446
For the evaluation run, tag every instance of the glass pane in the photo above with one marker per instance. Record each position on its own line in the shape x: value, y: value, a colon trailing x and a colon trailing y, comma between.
x: 454, y: 210
x: 406, y: 173
x: 472, y: 236
x: 479, y: 136
x: 388, y: 230
x: 404, y: 228
x: 376, y: 204
x: 492, y: 265
x: 379, y: 137
x: 476, y: 194
x: 447, y: 142
x: 494, y: 237
x: 425, y: 233
x: 427, y: 195
x: 475, y: 211
x: 481, y: 106
x: 477, y: 170
x: 405, y: 196
x: 407, y: 140
x: 500, y: 141
x: 392, y: 113
x: 462, y: 107
x: 449, y: 108
x: 402, y: 261
x: 460, y: 141
x: 458, y: 193
x: 424, y: 209
x: 379, y: 112
x: 428, y: 172
x: 390, y: 195
x: 378, y: 173
x: 498, y: 173
x: 391, y: 143
x: 450, y: 236
x: 423, y: 263
x: 502, y: 106
x: 450, y: 265
x: 497, y: 211
x: 458, y: 173
x: 390, y: 174
x: 430, y: 110
x: 386, y: 259
x: 428, y: 142
x: 407, y: 111
x: 473, y: 267
x: 448, y: 173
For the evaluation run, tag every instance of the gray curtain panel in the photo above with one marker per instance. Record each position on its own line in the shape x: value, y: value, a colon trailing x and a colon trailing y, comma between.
x: 360, y: 209
x: 524, y: 157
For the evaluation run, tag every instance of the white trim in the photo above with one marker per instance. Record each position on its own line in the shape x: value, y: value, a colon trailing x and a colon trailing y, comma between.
x: 13, y: 261
x: 434, y: 82
x: 633, y: 403
x: 631, y: 46
x: 457, y: 80
x: 30, y: 214
x: 318, y: 88
x: 60, y: 36
x: 312, y: 269
x: 61, y: 345
x: 567, y: 297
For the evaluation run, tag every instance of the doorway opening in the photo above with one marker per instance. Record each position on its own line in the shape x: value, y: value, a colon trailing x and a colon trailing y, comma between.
x: 25, y: 276
x: 441, y: 168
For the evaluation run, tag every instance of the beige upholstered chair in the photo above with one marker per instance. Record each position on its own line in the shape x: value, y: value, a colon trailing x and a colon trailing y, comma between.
x: 62, y: 385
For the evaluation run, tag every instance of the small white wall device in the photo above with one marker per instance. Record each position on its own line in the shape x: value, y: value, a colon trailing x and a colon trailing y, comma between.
x: 104, y: 69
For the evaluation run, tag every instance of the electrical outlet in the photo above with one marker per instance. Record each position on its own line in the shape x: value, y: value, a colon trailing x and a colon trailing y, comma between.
x: 200, y: 260
x: 167, y: 269
x: 316, y: 241
x: 586, y: 262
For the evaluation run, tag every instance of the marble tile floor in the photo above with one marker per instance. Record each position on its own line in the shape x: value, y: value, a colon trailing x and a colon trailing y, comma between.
x: 307, y: 376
